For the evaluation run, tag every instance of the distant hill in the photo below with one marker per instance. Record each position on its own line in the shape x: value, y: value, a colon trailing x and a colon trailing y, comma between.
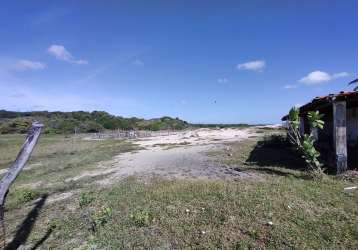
x: 81, y: 121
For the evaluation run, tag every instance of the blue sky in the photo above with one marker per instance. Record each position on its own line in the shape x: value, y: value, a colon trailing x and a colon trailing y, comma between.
x: 202, y: 61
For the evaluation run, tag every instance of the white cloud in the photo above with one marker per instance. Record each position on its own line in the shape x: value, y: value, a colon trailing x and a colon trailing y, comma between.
x: 257, y: 65
x: 290, y: 86
x: 317, y: 77
x: 138, y: 62
x: 61, y: 53
x: 222, y: 80
x: 29, y: 65
x: 341, y: 74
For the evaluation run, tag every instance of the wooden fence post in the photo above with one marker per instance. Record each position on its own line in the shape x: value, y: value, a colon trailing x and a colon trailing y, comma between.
x: 15, y: 169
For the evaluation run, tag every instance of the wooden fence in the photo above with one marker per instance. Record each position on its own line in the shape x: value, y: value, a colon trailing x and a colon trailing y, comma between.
x: 132, y: 134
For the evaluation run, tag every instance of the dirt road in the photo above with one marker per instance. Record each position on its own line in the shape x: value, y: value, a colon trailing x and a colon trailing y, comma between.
x: 180, y: 156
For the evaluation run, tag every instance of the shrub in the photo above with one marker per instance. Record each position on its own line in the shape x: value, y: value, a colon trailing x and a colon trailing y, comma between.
x: 305, y: 143
x: 141, y: 218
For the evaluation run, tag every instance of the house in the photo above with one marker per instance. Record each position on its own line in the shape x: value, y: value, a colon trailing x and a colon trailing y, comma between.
x: 338, y: 140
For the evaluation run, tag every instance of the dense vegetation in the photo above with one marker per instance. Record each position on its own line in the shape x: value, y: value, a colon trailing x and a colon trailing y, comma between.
x: 82, y: 122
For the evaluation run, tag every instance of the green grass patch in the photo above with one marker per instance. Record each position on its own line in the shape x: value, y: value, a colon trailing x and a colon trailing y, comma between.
x: 86, y: 198
x: 24, y: 195
x: 275, y: 214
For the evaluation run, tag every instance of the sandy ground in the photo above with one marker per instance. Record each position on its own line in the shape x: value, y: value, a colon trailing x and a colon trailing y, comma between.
x: 183, y: 155
x: 197, y: 137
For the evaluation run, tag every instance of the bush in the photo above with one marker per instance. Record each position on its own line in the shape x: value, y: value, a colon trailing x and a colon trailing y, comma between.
x: 141, y: 218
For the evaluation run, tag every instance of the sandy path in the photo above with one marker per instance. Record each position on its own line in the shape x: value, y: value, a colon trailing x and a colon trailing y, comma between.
x: 190, y: 162
x: 180, y: 156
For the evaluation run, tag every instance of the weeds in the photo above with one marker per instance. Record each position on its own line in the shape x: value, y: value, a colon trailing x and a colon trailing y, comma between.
x: 86, y: 198
x: 25, y: 195
x: 317, y: 174
x: 140, y: 218
x: 102, y: 216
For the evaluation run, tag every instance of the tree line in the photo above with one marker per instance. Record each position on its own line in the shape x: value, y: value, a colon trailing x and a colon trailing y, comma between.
x: 82, y: 122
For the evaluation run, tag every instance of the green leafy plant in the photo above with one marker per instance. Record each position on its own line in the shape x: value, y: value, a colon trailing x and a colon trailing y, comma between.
x: 141, y: 218
x: 294, y: 118
x: 310, y: 153
x: 314, y: 118
x: 305, y: 143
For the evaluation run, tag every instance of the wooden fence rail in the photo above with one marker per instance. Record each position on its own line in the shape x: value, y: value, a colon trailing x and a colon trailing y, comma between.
x: 131, y: 134
x: 15, y: 169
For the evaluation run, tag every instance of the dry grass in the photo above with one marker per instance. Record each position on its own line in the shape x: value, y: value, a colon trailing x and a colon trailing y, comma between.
x: 285, y: 211
x: 54, y: 159
x: 168, y: 146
